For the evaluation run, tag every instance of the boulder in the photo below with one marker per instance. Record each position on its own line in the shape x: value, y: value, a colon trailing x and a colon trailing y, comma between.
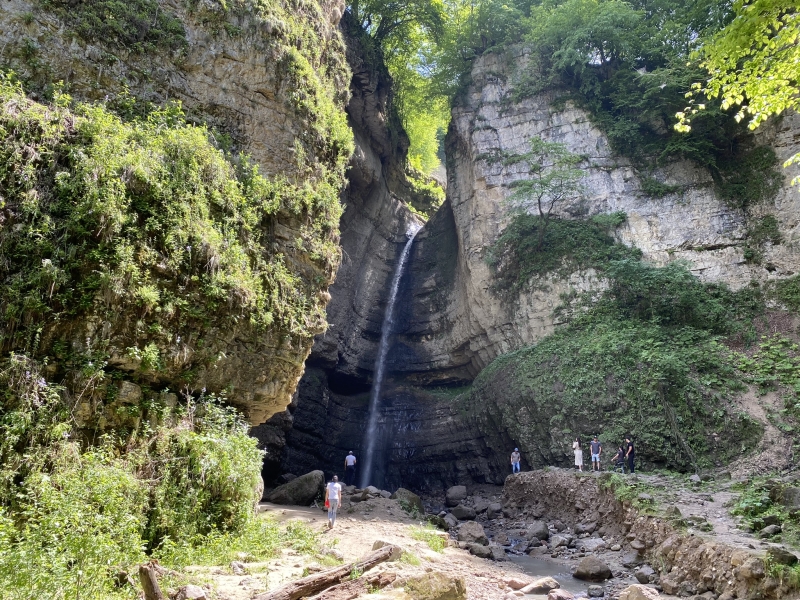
x: 592, y: 568
x: 372, y: 490
x: 494, y: 510
x: 581, y: 528
x: 473, y: 533
x: 409, y: 499
x: 480, y: 505
x: 481, y: 551
x: 790, y: 497
x: 435, y: 586
x: 515, y: 583
x: 560, y: 541
x: 631, y: 560
x: 463, y: 513
x: 559, y: 525
x: 769, y: 531
x: 596, y: 591
x: 779, y: 556
x: 498, y: 553
x: 644, y: 574
x: 559, y: 594
x: 287, y: 477
x: 695, y: 478
x: 541, y: 586
x: 639, y: 592
x: 191, y: 592
x: 455, y: 495
x: 385, y: 494
x: 450, y: 521
x: 537, y: 529
x: 300, y: 491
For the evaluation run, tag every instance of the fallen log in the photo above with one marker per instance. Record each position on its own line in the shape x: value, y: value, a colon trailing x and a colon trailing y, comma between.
x: 358, y: 587
x: 320, y: 581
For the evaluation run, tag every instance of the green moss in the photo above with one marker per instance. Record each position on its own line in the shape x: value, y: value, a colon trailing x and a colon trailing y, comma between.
x: 139, y: 26
x: 787, y: 292
x: 569, y: 245
x: 643, y: 359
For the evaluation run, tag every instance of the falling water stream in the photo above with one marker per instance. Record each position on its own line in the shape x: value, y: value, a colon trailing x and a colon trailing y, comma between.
x: 370, y: 437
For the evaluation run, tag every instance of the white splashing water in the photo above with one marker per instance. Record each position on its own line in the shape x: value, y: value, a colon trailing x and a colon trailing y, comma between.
x: 380, y: 362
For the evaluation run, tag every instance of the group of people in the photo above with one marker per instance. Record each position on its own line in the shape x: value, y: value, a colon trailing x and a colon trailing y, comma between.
x: 622, y: 460
x: 333, y: 491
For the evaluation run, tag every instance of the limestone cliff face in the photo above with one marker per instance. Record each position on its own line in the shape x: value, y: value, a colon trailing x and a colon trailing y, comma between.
x: 455, y: 325
x: 262, y: 77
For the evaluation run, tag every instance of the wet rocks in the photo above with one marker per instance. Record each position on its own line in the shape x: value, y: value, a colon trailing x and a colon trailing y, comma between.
x: 596, y: 591
x: 592, y: 568
x: 463, y: 513
x: 472, y: 532
x: 455, y: 495
x: 300, y: 491
x: 538, y: 530
x: 541, y: 586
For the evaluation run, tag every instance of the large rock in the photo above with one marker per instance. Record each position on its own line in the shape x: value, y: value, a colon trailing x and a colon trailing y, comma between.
x: 560, y: 540
x: 300, y: 491
x: 779, y: 556
x: 481, y: 551
x: 455, y: 495
x: 494, y: 510
x: 790, y: 497
x: 592, y: 568
x: 559, y: 594
x: 538, y: 530
x: 639, y: 592
x: 463, y: 513
x: 590, y: 544
x: 631, y: 560
x: 644, y: 574
x: 472, y: 532
x: 409, y: 499
x: 450, y: 521
x: 541, y: 586
x: 435, y: 586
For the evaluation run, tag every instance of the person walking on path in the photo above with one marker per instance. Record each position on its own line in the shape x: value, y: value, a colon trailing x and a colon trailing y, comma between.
x: 349, y: 468
x: 576, y: 447
x: 333, y: 494
x: 630, y: 454
x: 515, y: 458
x: 597, y: 449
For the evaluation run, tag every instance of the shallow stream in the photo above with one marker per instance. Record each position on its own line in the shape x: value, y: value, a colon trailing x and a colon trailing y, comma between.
x: 538, y: 567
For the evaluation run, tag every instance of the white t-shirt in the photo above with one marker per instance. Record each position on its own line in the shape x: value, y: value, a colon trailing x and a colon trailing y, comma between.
x: 349, y: 460
x: 334, y: 491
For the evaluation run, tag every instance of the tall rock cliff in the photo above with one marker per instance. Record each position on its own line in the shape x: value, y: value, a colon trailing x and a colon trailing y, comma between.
x: 451, y: 322
x: 269, y: 80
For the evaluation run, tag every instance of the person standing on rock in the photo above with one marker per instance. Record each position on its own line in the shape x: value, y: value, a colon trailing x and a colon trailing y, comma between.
x: 630, y: 453
x: 515, y: 458
x: 597, y: 449
x: 333, y: 495
x: 576, y: 448
x: 349, y: 468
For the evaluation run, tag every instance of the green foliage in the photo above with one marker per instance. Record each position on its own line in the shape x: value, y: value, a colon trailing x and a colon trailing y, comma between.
x: 758, y: 499
x: 656, y: 189
x: 626, y: 63
x: 626, y: 489
x: 520, y: 260
x: 642, y: 358
x: 140, y: 26
x: 429, y: 534
x: 787, y: 292
x: 775, y: 366
x: 754, y: 63
x: 764, y: 231
x: 146, y: 219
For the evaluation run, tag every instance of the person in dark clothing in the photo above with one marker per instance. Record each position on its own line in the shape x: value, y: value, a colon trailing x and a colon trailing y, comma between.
x: 630, y: 454
x: 349, y: 468
x: 619, y: 460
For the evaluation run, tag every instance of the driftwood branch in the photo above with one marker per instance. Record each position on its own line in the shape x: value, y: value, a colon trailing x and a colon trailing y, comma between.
x: 320, y: 581
x: 149, y: 581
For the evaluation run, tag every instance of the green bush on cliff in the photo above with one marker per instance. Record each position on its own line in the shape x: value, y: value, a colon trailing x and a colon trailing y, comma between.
x: 644, y: 358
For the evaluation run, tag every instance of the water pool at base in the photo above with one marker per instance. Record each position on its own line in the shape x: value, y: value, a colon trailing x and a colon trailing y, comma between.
x: 538, y: 567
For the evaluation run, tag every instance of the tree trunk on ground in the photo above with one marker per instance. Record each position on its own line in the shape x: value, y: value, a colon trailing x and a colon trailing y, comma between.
x: 147, y: 577
x: 320, y: 581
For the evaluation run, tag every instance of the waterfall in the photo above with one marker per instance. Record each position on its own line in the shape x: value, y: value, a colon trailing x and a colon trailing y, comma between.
x: 380, y: 362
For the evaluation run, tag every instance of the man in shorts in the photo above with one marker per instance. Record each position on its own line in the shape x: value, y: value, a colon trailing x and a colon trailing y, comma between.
x: 333, y: 495
x: 596, y: 450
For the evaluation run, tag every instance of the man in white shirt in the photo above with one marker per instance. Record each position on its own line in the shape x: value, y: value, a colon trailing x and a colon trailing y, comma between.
x: 333, y: 496
x: 349, y: 468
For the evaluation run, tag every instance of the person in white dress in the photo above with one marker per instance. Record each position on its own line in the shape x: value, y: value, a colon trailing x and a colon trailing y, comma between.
x: 333, y: 495
x: 576, y: 446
